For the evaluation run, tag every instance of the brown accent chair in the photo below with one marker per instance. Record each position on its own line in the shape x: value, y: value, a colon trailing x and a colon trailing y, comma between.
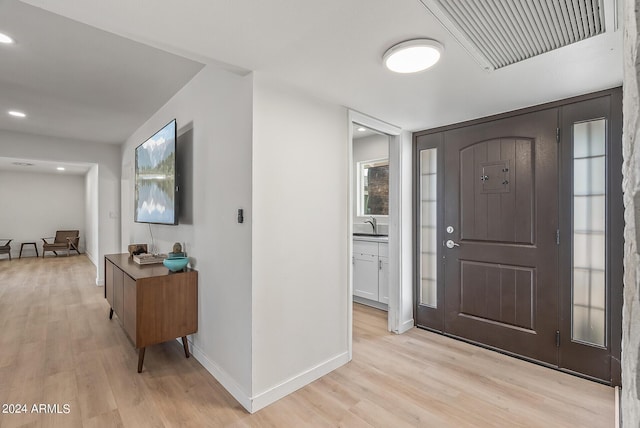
x: 64, y: 240
x: 6, y: 248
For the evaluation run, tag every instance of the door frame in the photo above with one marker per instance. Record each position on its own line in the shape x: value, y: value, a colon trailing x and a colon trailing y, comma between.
x: 615, y: 328
x: 400, y: 315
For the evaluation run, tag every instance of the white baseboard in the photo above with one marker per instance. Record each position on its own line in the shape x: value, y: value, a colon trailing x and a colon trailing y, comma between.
x: 99, y: 282
x: 372, y: 303
x: 90, y: 256
x: 406, y: 326
x: 221, y: 376
x: 272, y: 395
x: 259, y: 401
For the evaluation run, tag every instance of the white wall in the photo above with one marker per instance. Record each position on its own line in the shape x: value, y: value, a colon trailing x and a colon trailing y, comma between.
x: 107, y: 156
x: 213, y: 114
x: 366, y: 149
x: 402, y: 155
x: 272, y: 310
x: 91, y: 212
x: 35, y: 205
x: 300, y: 281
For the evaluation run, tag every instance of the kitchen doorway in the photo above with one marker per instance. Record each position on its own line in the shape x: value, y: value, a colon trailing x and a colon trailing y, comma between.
x: 400, y: 306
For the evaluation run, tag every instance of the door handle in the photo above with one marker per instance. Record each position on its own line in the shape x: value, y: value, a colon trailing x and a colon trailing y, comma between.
x: 451, y: 244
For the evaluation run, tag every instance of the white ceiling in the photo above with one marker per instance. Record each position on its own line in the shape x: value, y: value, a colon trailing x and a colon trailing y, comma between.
x: 75, y: 81
x: 331, y: 49
x: 359, y: 131
x: 42, y: 167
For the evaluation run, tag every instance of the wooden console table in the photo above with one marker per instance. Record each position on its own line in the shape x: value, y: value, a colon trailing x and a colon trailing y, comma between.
x: 153, y: 304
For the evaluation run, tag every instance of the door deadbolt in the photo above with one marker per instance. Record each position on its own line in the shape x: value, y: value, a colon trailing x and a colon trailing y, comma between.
x: 449, y: 229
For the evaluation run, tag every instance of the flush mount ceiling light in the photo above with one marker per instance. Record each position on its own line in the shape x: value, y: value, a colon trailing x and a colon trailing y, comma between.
x: 60, y: 168
x: 413, y: 55
x: 16, y: 113
x: 362, y: 129
x: 5, y: 39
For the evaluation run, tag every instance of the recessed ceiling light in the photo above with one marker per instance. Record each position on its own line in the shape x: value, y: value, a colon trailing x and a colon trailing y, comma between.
x: 413, y: 55
x: 60, y: 168
x: 15, y: 113
x: 362, y: 129
x: 5, y: 39
x: 22, y: 164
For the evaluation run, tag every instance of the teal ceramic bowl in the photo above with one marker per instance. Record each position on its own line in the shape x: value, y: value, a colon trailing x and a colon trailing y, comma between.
x: 176, y: 263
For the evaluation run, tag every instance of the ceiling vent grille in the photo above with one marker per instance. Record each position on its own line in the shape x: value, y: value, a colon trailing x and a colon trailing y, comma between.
x: 502, y: 32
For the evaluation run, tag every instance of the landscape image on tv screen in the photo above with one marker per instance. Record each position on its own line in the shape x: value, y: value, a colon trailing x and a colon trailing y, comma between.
x: 156, y: 178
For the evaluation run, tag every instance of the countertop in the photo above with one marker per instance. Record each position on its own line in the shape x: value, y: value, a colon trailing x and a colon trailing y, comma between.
x: 371, y: 238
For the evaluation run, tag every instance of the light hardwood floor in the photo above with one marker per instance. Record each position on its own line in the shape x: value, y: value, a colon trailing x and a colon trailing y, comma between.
x: 57, y: 346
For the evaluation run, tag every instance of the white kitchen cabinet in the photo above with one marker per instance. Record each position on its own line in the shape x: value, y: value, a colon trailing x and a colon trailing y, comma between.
x: 371, y: 271
x: 383, y: 279
x: 365, y: 276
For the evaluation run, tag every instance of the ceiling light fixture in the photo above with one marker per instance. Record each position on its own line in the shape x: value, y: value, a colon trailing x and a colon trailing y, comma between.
x: 412, y: 56
x: 60, y: 168
x: 16, y: 113
x: 362, y: 129
x: 5, y: 39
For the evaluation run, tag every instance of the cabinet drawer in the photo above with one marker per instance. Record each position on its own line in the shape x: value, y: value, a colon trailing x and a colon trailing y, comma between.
x: 365, y: 247
x: 383, y: 249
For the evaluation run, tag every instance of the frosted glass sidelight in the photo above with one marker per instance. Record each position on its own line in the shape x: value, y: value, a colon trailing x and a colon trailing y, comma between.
x: 589, y: 138
x: 428, y: 225
x: 589, y: 229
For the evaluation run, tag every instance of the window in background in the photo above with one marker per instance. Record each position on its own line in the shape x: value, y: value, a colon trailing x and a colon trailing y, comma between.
x: 373, y: 188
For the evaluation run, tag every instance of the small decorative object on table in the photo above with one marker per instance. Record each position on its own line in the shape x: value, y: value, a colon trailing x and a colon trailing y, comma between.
x: 176, y: 264
x: 148, y: 259
x: 137, y: 249
x: 177, y: 259
x: 177, y: 251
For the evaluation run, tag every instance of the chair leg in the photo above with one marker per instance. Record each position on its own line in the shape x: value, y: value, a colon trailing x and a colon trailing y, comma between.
x: 74, y: 248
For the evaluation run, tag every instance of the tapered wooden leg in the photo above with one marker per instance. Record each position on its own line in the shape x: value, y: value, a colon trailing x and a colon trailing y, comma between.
x: 111, y: 313
x: 140, y: 359
x: 185, y: 344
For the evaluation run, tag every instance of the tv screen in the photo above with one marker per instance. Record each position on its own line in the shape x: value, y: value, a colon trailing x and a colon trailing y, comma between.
x: 155, y: 193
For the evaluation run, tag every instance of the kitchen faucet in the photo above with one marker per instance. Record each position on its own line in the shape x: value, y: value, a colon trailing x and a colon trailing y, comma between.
x: 374, y: 224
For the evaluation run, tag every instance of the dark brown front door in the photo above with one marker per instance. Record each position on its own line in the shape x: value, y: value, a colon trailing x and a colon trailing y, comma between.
x: 501, y: 186
x: 519, y: 233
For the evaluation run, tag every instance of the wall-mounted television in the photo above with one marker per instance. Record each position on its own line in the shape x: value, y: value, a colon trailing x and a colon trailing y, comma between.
x: 155, y: 193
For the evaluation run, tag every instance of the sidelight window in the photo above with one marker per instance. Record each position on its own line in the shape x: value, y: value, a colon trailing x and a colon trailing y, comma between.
x: 589, y: 232
x: 428, y: 227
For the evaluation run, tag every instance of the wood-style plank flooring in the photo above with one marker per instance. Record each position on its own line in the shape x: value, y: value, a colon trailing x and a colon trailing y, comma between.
x: 57, y: 346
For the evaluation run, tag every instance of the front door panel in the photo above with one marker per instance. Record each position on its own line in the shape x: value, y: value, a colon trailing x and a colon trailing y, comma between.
x: 501, y: 193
